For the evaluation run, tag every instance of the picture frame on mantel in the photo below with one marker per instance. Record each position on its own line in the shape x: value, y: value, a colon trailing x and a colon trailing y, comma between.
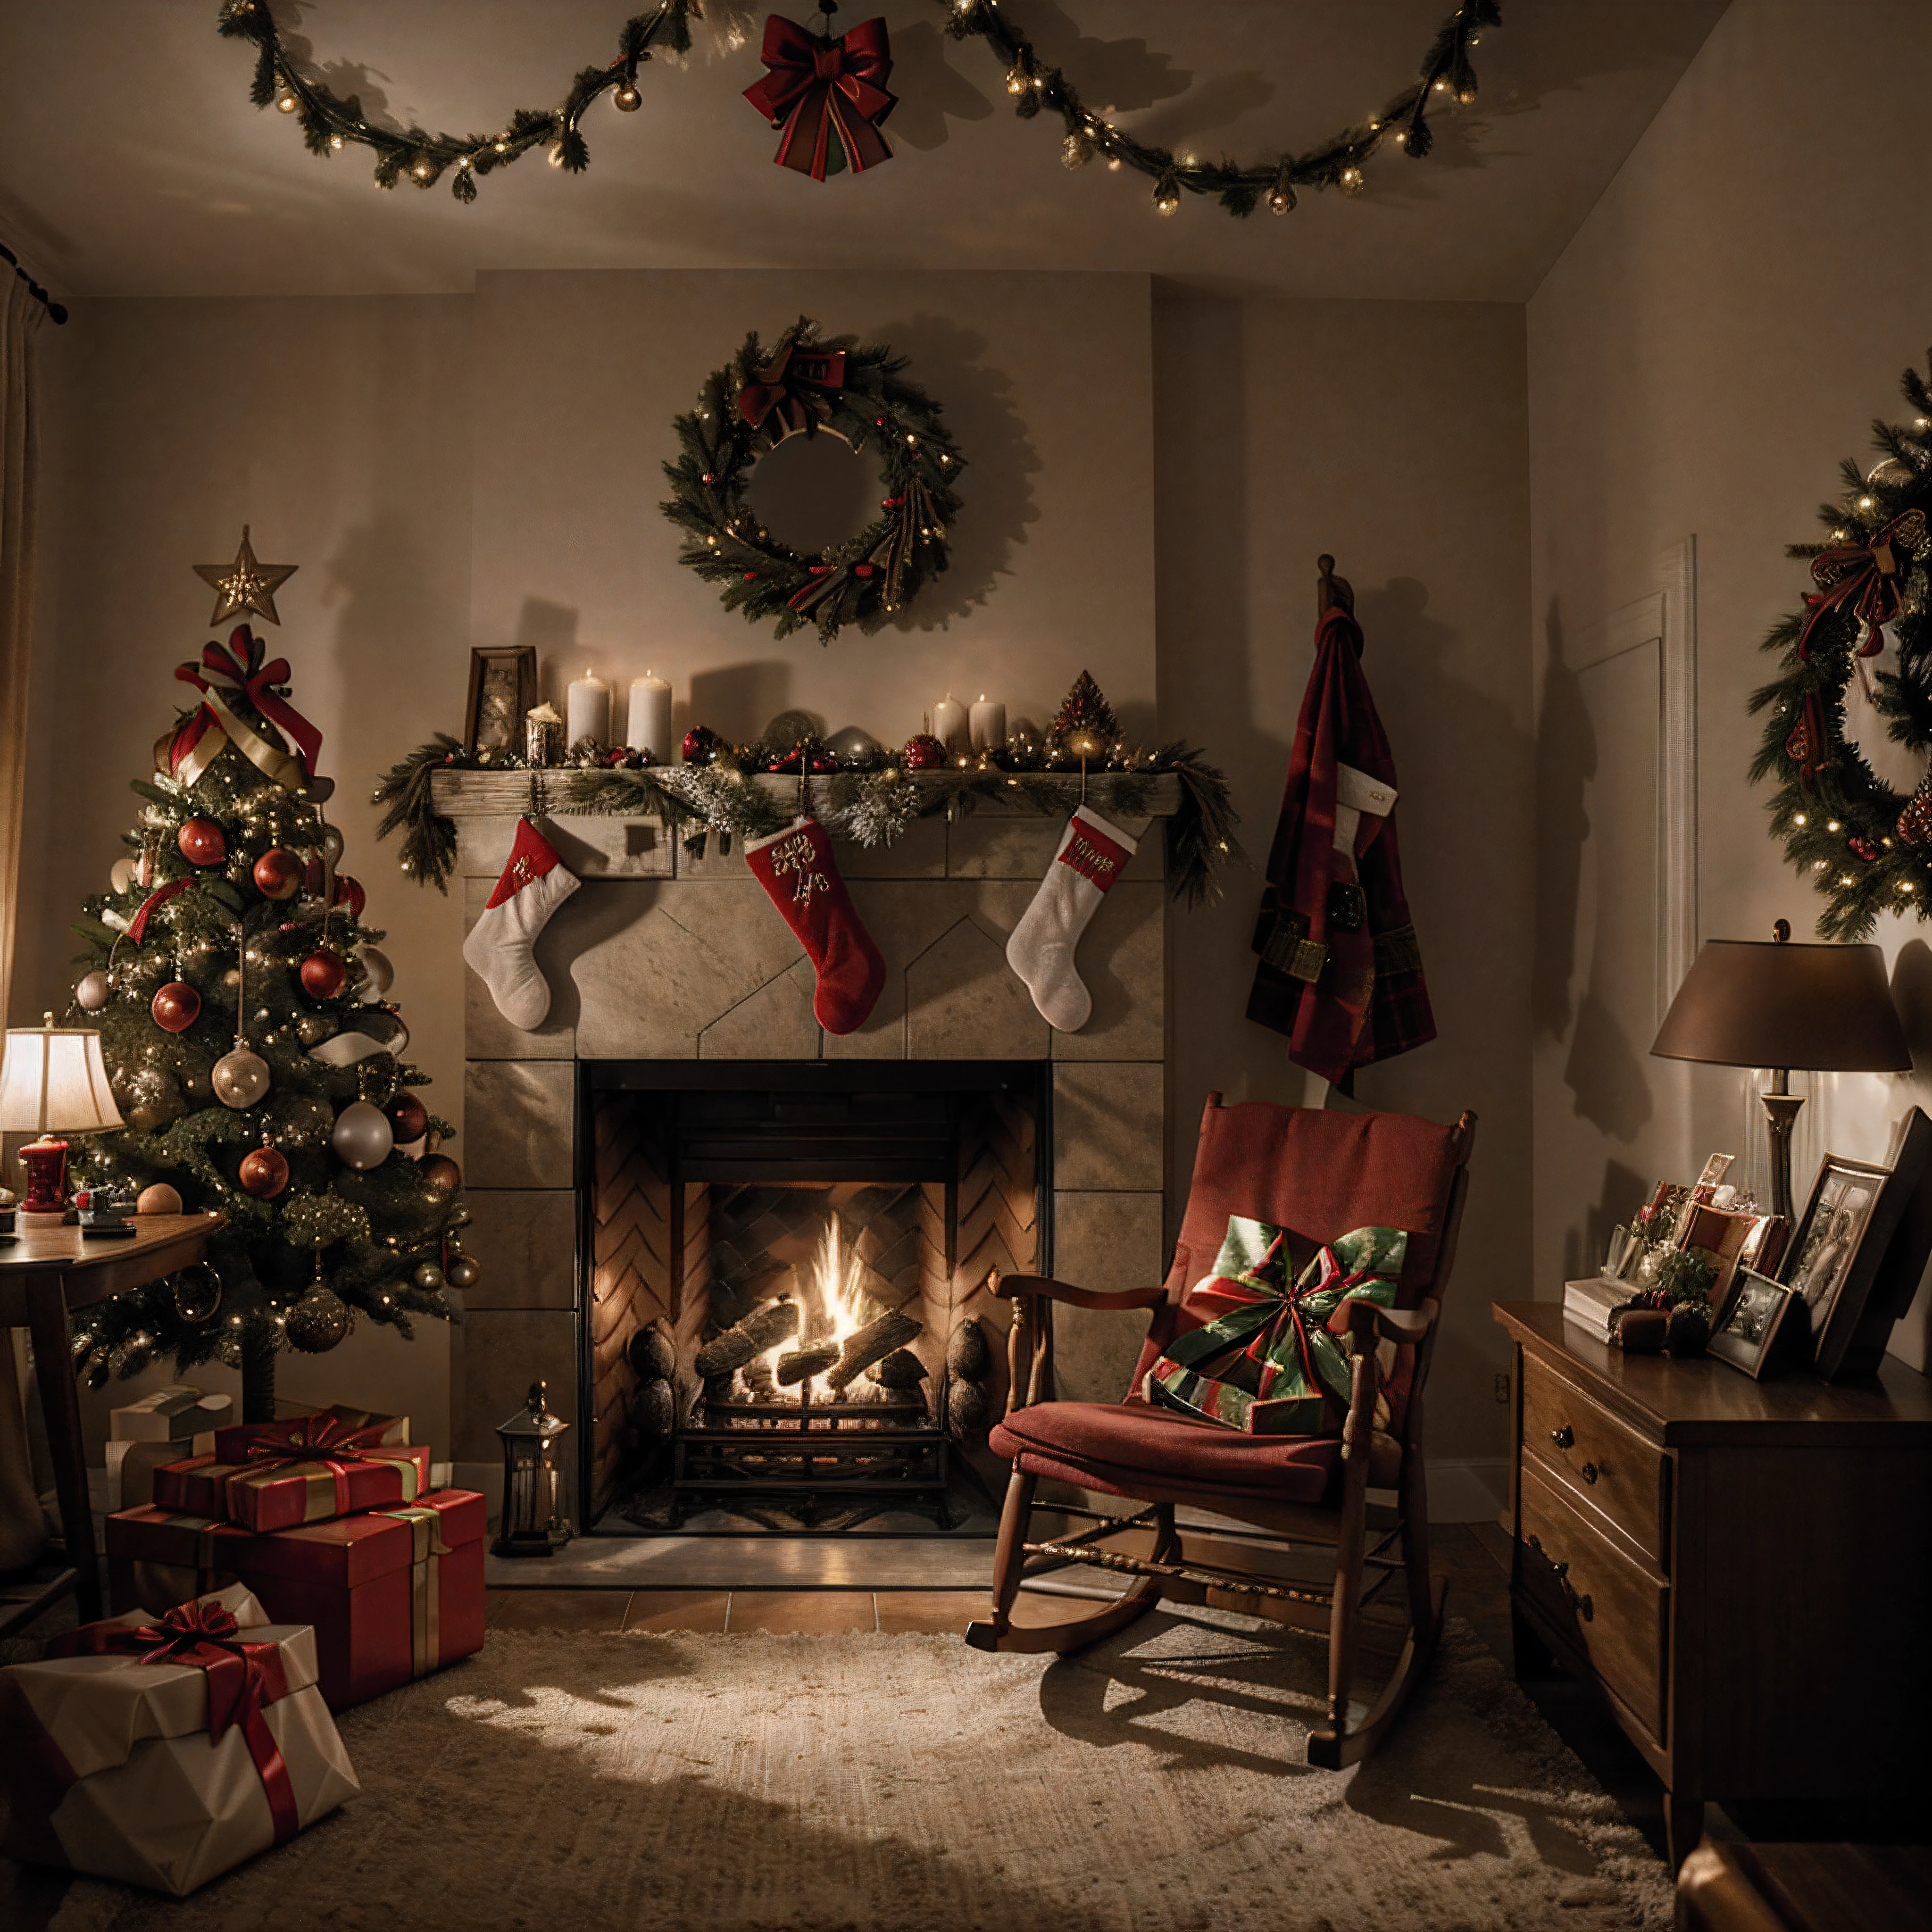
x: 502, y: 693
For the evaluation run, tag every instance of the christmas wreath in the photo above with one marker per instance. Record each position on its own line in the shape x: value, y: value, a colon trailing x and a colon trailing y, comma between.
x: 1848, y: 721
x: 805, y: 386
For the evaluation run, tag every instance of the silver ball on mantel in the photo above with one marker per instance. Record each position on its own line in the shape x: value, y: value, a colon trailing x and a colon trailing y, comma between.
x: 464, y: 1272
x: 240, y: 1078
x: 317, y: 1322
x: 363, y: 1137
x: 94, y: 991
x: 855, y: 746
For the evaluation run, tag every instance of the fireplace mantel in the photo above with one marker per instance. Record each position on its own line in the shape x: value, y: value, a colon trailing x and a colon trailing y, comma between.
x: 666, y: 955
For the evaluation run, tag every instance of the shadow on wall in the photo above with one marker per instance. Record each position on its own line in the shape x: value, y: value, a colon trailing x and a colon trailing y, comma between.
x: 931, y: 90
x: 996, y: 492
x: 1623, y: 1193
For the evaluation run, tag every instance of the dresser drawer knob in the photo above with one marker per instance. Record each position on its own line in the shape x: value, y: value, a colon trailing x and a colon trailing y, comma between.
x: 1563, y: 1437
x: 1589, y: 1472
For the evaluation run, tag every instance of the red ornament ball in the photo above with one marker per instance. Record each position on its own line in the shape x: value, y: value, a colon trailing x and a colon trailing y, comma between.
x: 441, y: 1172
x: 323, y: 974
x: 348, y: 892
x: 702, y: 745
x: 408, y: 1117
x: 923, y: 754
x: 278, y: 873
x: 175, y: 1006
x: 264, y: 1173
x: 201, y: 842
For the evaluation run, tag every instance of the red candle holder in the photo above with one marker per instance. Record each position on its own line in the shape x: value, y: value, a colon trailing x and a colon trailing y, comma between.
x: 46, y: 1163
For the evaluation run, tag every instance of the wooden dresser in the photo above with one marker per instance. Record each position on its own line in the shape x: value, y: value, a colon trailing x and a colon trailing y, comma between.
x: 1742, y: 1567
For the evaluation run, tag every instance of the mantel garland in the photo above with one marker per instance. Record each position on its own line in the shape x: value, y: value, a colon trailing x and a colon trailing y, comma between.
x: 329, y: 121
x: 870, y: 809
x: 1865, y: 845
x: 806, y: 386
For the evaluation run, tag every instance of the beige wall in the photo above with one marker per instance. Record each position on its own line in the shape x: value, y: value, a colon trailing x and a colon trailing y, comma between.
x: 1719, y: 334
x: 1392, y: 436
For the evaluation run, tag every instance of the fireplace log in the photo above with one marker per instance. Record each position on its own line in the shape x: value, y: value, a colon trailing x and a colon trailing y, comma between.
x: 967, y: 1354
x: 759, y: 1379
x: 775, y: 1322
x: 901, y: 1369
x: 872, y: 1343
x: 656, y: 1410
x: 653, y: 1355
x: 797, y: 1364
x: 967, y: 1410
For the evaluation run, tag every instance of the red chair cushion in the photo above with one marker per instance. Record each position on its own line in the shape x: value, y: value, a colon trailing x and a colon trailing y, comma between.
x: 1122, y: 1447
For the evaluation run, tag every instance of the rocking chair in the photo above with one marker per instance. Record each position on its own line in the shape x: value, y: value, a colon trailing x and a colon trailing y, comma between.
x: 1317, y: 1175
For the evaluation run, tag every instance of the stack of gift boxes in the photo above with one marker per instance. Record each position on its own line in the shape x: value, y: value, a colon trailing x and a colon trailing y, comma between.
x: 282, y: 1571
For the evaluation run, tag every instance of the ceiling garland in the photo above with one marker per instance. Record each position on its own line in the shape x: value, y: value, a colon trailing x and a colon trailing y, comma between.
x: 331, y: 122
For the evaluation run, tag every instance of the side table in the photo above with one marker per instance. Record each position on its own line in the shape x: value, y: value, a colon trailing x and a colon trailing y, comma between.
x: 1740, y: 1567
x: 44, y: 1276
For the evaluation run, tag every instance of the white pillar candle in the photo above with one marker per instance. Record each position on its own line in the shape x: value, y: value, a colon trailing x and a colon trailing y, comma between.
x: 650, y: 717
x: 586, y: 709
x: 948, y: 724
x: 989, y: 724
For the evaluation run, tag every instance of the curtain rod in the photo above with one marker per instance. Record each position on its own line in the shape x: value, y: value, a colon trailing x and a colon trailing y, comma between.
x: 57, y: 310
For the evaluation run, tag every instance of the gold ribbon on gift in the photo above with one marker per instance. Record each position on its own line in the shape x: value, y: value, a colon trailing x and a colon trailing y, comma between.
x: 325, y: 1482
x: 425, y: 1586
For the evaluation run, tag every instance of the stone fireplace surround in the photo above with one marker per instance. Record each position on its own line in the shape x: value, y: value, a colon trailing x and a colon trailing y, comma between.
x: 662, y: 956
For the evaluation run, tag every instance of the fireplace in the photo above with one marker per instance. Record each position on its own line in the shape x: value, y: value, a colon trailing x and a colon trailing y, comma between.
x: 785, y: 1266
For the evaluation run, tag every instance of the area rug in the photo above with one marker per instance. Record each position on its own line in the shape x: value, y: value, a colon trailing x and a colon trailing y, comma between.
x: 883, y: 1783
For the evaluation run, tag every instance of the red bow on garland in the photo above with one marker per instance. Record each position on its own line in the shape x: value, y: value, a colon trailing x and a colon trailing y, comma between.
x: 817, y: 87
x: 242, y: 1678
x: 237, y: 667
x: 1870, y: 578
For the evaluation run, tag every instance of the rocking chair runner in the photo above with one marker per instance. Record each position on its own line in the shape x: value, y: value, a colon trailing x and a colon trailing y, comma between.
x: 1318, y: 1175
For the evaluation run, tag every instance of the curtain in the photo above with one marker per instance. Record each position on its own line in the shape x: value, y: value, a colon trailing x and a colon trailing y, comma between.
x: 21, y: 1535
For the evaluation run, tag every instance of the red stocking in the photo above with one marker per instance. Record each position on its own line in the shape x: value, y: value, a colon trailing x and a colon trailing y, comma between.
x: 796, y: 866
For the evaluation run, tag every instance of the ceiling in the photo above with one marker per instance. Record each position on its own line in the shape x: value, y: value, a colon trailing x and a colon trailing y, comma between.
x: 132, y: 162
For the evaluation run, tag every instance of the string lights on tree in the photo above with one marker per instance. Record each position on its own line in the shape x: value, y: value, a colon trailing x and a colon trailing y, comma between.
x: 330, y: 122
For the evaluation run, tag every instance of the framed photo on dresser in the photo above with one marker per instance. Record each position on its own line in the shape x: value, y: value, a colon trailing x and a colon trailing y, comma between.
x: 1746, y: 1335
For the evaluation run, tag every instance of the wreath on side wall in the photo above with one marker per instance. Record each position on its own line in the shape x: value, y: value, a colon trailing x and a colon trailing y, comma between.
x: 805, y: 386
x: 1848, y: 721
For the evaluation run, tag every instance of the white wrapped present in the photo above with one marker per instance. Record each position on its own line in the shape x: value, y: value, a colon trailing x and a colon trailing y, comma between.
x: 162, y: 1751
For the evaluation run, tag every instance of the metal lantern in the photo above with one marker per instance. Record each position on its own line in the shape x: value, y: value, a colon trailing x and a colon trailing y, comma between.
x: 532, y: 1523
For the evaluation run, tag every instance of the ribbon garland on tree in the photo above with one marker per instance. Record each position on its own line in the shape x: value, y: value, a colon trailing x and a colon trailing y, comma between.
x: 820, y: 88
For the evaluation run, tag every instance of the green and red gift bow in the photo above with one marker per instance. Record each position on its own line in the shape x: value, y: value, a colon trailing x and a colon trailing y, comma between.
x: 1266, y: 1362
x: 820, y: 89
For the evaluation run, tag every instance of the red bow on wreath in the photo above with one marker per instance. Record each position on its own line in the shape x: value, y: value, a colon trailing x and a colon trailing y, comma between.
x: 237, y: 667
x: 778, y: 400
x: 817, y: 87
x: 1868, y: 577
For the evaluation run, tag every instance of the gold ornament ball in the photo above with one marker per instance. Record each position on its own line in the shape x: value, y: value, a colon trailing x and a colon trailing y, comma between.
x: 240, y: 1078
x: 159, y: 1198
x: 627, y: 100
x: 465, y: 1271
x: 317, y: 1322
x: 428, y: 1277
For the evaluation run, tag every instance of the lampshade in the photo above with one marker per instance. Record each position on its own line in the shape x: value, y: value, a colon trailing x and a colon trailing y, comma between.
x: 1769, y: 1003
x: 52, y: 1081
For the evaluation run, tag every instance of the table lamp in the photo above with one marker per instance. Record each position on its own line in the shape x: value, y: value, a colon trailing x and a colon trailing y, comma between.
x: 53, y: 1081
x: 1758, y: 1002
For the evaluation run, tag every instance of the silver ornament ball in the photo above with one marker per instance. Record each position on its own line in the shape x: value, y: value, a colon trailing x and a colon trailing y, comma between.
x: 94, y: 991
x: 240, y: 1078
x: 428, y: 1277
x: 317, y: 1322
x: 363, y: 1137
x: 120, y: 874
x: 465, y: 1271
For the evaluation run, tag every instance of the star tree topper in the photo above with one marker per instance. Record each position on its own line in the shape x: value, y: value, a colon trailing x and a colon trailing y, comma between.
x: 245, y: 585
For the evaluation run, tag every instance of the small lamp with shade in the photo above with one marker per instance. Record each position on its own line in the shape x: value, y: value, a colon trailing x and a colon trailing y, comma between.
x: 53, y: 1082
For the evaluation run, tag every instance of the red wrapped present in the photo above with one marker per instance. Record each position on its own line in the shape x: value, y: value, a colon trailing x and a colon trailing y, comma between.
x: 392, y: 1594
x: 163, y: 1751
x: 233, y: 1443
x: 306, y: 1471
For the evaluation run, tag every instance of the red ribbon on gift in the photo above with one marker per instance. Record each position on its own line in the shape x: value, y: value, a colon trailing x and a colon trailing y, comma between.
x: 238, y: 667
x: 325, y: 1440
x: 1868, y: 577
x: 243, y: 1678
x: 818, y: 87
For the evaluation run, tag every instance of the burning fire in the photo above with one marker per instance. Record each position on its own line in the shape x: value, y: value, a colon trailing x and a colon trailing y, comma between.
x: 831, y: 1308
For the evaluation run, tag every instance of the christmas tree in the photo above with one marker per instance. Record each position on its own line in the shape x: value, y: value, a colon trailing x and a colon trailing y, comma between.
x: 260, y: 1070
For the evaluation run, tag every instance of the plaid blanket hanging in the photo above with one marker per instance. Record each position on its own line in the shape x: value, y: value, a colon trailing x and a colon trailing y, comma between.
x: 1266, y: 1361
